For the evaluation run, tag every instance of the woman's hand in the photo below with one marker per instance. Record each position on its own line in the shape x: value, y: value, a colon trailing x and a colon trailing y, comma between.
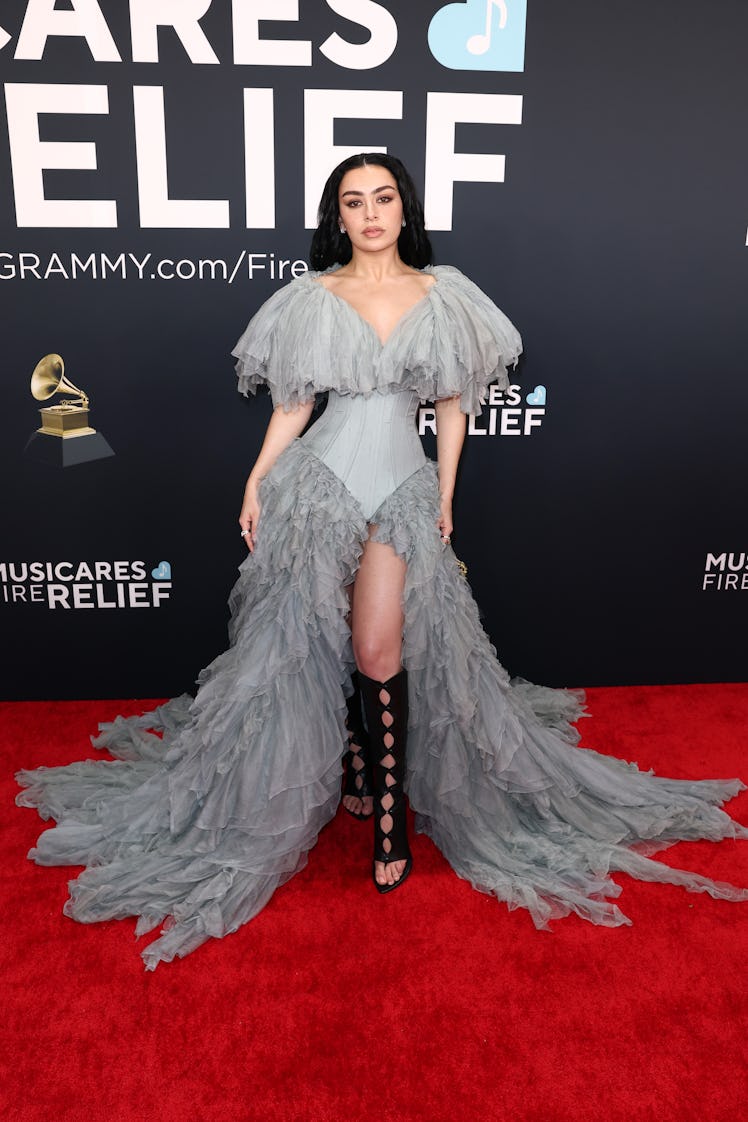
x: 445, y: 523
x: 285, y: 425
x: 249, y: 516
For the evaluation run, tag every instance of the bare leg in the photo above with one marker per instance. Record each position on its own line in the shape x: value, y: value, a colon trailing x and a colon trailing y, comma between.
x: 377, y: 612
x: 377, y: 630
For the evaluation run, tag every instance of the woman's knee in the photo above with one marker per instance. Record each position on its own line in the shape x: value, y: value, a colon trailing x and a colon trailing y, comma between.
x: 376, y: 658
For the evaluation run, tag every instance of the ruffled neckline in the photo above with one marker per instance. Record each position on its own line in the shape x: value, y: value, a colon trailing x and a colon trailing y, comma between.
x: 306, y: 340
x: 420, y: 305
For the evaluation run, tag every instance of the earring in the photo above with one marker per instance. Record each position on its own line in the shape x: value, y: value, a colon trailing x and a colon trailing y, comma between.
x: 404, y: 222
x: 342, y: 229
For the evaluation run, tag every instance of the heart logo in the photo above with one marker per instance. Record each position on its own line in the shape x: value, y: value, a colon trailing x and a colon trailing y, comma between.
x: 162, y: 572
x: 537, y: 397
x: 480, y: 35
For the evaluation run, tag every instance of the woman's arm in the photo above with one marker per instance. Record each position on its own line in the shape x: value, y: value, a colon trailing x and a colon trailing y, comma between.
x: 450, y: 436
x: 284, y: 427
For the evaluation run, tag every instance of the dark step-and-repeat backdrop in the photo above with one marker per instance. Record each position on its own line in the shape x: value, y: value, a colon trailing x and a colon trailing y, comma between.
x: 584, y: 162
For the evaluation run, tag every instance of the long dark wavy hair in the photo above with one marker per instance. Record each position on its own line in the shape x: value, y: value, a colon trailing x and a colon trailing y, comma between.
x: 330, y: 247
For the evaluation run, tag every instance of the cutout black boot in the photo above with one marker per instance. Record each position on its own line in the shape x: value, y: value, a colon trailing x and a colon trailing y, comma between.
x: 357, y: 778
x: 386, y: 708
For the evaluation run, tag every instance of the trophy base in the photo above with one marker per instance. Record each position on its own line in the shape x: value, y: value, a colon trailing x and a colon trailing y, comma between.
x: 64, y: 452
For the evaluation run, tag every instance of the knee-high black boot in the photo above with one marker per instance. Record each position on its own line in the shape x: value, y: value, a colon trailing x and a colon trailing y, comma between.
x: 386, y: 708
x: 357, y: 779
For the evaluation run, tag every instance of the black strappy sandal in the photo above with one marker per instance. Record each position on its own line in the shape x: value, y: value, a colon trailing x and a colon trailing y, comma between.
x: 357, y: 778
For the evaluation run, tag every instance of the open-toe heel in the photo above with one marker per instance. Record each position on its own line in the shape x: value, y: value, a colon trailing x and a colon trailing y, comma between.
x: 386, y: 708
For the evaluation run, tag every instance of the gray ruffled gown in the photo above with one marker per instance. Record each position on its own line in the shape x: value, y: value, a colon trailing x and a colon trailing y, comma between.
x: 197, y: 829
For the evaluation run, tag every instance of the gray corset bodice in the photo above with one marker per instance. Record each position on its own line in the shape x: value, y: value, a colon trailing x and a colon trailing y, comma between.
x: 370, y: 442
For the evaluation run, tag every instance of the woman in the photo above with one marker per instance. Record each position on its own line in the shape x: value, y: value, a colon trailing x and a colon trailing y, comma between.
x: 363, y: 222
x: 348, y: 528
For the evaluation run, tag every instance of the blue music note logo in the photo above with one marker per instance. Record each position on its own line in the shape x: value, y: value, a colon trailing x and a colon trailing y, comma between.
x: 480, y: 35
x: 479, y: 44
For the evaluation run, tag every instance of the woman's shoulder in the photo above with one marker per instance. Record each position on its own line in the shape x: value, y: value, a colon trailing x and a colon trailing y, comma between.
x: 298, y: 287
x: 290, y: 298
x: 286, y: 301
x: 463, y: 344
x: 326, y: 279
x: 450, y: 277
x: 462, y: 296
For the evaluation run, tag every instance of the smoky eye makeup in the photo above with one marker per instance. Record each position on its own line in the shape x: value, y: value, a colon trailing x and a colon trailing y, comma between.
x: 380, y: 199
x: 356, y: 200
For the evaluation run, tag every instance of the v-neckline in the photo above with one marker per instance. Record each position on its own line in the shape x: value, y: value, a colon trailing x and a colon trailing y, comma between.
x: 367, y: 323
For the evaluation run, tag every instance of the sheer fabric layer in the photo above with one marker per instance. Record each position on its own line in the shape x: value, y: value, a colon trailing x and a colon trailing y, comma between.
x: 454, y: 342
x: 199, y: 828
x: 493, y: 772
x: 196, y: 830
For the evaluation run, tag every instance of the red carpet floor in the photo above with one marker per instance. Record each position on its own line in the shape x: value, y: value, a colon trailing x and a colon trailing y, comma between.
x: 432, y: 1004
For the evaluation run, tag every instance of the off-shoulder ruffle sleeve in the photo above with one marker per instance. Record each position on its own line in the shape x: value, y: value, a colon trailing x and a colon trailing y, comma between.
x: 268, y: 352
x: 304, y: 341
x: 464, y: 345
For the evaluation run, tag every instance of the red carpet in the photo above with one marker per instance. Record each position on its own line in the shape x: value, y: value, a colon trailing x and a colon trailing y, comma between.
x: 432, y: 1004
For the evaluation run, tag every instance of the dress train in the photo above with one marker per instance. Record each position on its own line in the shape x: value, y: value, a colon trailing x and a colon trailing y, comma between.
x: 214, y: 803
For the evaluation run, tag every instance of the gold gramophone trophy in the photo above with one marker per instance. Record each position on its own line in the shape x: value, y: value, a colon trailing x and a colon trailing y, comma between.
x: 65, y: 437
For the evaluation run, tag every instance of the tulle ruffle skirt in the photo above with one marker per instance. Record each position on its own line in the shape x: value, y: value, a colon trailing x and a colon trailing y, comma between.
x: 213, y: 803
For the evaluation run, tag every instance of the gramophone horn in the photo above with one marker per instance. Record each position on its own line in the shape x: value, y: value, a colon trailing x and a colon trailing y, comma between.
x: 49, y: 378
